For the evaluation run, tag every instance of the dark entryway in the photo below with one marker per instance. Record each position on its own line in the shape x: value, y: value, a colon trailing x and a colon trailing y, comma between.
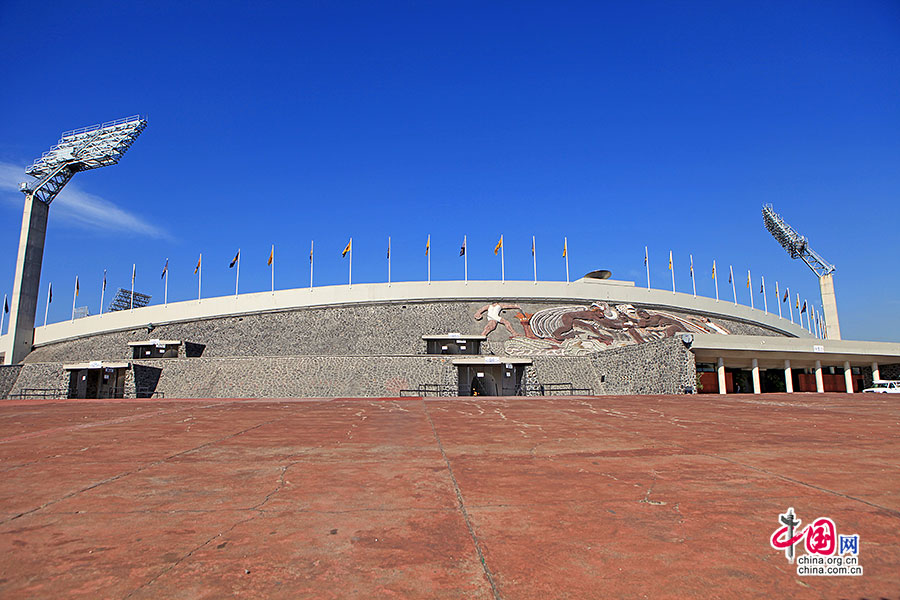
x: 102, y: 382
x: 502, y: 379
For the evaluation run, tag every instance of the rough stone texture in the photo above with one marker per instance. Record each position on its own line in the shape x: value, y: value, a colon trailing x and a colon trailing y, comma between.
x: 888, y: 371
x: 577, y: 370
x: 660, y: 367
x: 8, y: 376
x: 42, y: 376
x: 290, y: 377
x: 357, y: 330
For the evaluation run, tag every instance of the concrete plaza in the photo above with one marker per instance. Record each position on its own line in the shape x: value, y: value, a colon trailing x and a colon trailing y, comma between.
x: 594, y: 497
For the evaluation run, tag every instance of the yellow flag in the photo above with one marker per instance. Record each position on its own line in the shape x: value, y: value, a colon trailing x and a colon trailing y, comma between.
x: 197, y: 268
x: 271, y: 256
x: 427, y: 245
x: 670, y: 260
x: 714, y: 270
x: 499, y: 245
x: 565, y: 247
x: 748, y: 280
x: 347, y: 249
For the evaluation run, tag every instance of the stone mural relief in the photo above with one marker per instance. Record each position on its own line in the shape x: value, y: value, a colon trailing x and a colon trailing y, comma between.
x: 581, y: 330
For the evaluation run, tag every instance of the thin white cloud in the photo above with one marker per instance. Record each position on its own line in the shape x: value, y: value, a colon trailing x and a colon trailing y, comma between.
x: 80, y: 208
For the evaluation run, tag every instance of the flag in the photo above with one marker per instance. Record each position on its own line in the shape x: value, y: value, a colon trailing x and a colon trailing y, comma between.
x: 389, y: 247
x: 197, y: 268
x: 271, y: 256
x: 714, y: 270
x: 499, y: 245
x: 236, y: 258
x: 310, y: 251
x: 104, y: 280
x: 748, y: 280
x: 5, y: 305
x: 133, y: 269
x: 462, y: 249
x: 729, y: 276
x: 347, y: 248
x: 165, y: 269
x: 762, y: 287
x: 76, y: 286
x: 532, y: 245
x: 50, y: 293
x: 803, y: 310
x: 786, y: 294
x: 798, y: 301
x: 566, y: 249
x: 645, y: 256
x: 670, y: 260
x: 427, y: 245
x: 692, y: 265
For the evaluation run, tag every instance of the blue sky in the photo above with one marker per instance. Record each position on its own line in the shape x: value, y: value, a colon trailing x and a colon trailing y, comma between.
x: 618, y: 125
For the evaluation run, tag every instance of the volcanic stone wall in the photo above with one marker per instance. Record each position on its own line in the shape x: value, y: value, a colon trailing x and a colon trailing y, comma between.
x: 41, y: 376
x: 660, y: 367
x: 8, y: 376
x: 351, y: 330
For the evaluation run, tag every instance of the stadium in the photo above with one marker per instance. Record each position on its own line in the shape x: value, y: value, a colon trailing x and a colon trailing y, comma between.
x: 592, y: 336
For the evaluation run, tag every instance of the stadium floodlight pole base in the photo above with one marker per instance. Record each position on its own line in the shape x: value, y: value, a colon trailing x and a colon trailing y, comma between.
x: 28, y: 279
x: 829, y: 304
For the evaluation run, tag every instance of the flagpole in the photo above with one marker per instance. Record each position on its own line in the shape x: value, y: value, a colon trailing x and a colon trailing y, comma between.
x: 133, y: 269
x: 566, y: 248
x: 731, y: 278
x: 534, y: 259
x: 74, y: 296
x: 502, y: 262
x: 166, y: 292
x: 808, y: 326
x: 2, y: 313
x: 646, y: 264
x: 49, y: 294
x: 428, y: 255
x: 790, y: 306
x: 750, y: 289
x: 102, y: 291
x: 199, y: 275
x: 311, y: 264
x: 465, y: 260
x: 389, y: 261
x: 350, y: 275
x: 273, y: 269
x: 237, y: 274
x: 778, y: 299
x: 693, y: 281
x: 765, y: 298
x: 672, y: 268
x: 716, y: 280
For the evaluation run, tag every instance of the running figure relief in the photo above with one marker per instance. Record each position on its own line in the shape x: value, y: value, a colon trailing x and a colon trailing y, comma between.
x: 578, y: 330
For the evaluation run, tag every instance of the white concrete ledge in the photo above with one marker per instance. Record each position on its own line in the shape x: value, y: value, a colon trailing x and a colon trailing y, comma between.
x: 581, y: 291
x: 709, y: 347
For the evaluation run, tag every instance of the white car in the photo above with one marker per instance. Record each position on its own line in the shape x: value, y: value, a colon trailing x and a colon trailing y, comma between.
x: 884, y: 387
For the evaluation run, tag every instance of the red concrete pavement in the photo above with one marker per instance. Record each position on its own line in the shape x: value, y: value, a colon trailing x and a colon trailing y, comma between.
x: 601, y: 497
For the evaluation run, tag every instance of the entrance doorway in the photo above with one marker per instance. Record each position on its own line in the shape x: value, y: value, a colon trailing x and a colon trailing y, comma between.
x: 98, y: 382
x: 491, y: 379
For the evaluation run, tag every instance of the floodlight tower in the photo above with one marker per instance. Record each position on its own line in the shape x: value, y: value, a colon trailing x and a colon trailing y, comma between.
x: 798, y: 247
x: 79, y: 150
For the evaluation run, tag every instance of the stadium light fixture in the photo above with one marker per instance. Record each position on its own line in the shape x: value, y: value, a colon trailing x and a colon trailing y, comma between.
x: 797, y: 246
x: 77, y: 150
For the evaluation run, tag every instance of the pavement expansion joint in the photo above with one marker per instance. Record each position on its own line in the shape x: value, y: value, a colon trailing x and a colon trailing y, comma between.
x: 462, y: 509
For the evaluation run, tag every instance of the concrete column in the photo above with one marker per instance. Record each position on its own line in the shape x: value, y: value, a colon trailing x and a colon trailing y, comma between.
x: 829, y: 306
x: 757, y: 389
x: 720, y: 371
x: 788, y: 378
x: 848, y: 377
x: 28, y: 280
x: 876, y: 374
x: 820, y: 385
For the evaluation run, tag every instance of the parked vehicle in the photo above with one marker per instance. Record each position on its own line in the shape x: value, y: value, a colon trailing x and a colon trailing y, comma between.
x: 884, y: 387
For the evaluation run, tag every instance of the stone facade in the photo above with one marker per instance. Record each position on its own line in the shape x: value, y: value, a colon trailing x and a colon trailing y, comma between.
x: 42, y: 376
x: 8, y: 376
x: 661, y: 367
x: 355, y: 330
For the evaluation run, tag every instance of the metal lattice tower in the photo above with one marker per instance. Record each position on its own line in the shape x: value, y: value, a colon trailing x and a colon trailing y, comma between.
x: 78, y: 150
x: 797, y: 246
